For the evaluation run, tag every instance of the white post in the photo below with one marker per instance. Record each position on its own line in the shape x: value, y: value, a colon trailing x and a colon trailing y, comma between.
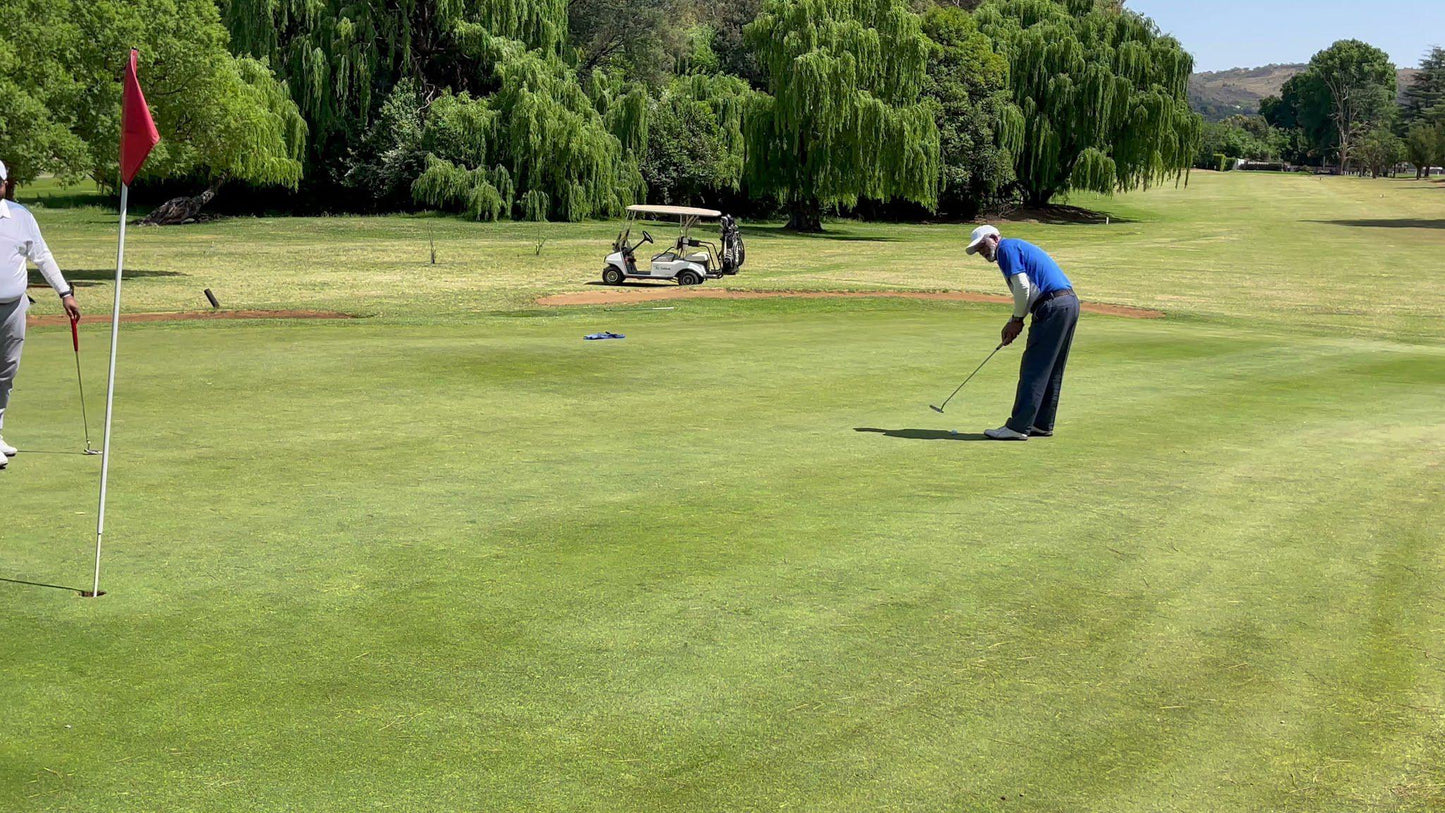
x: 110, y: 387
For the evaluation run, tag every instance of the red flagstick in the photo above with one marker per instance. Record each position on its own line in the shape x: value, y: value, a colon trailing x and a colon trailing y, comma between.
x: 80, y: 380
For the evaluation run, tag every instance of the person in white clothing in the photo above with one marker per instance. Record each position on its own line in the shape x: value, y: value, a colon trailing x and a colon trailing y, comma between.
x: 20, y: 243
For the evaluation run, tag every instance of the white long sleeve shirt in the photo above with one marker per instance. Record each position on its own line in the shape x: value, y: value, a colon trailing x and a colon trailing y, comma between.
x: 20, y: 243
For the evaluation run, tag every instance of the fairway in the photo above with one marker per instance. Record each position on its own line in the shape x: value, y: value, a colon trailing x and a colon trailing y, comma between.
x: 449, y: 556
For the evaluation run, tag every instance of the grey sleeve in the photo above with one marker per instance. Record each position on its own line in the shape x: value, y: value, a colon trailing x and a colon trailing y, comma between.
x: 1022, y: 291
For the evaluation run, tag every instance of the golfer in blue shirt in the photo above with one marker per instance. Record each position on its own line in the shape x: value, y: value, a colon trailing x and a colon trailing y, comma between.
x: 1039, y: 287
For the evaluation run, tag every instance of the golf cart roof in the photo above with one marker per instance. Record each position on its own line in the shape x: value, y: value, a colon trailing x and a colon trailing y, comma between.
x: 673, y: 211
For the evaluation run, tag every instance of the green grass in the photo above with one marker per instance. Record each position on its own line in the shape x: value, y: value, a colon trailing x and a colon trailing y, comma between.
x: 445, y: 558
x: 1238, y: 247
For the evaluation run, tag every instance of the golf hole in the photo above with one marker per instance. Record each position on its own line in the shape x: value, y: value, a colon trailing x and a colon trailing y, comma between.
x: 89, y: 594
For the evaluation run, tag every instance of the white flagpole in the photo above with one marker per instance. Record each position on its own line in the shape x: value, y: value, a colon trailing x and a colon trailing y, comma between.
x: 110, y: 387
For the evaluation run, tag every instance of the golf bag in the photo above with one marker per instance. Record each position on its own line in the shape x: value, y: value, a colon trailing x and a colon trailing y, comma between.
x: 733, y: 252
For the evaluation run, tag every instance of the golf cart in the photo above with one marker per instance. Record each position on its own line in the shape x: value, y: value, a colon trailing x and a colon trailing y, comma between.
x: 687, y: 259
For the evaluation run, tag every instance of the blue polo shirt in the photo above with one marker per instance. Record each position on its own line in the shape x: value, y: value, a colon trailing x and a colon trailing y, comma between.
x: 1019, y: 257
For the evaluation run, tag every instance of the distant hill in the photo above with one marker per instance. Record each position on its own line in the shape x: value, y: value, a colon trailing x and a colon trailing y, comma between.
x: 1217, y: 95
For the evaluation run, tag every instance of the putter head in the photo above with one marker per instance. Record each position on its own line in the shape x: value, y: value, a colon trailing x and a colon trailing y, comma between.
x: 91, y: 451
x: 939, y: 410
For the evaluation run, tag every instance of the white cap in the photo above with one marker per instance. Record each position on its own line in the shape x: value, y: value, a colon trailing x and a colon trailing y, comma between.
x: 978, y: 236
x: 4, y: 174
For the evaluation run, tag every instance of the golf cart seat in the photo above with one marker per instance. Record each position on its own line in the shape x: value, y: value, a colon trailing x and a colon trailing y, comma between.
x: 697, y: 257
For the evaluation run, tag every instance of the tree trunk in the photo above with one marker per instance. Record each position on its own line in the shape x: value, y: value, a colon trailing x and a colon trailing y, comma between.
x: 805, y: 216
x: 177, y: 211
x: 1344, y: 136
x: 1037, y: 198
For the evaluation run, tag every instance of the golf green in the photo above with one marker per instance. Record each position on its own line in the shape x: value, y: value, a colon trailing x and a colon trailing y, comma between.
x: 463, y: 559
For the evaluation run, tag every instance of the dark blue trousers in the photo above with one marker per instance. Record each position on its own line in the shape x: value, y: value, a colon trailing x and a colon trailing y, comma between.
x: 1041, y: 372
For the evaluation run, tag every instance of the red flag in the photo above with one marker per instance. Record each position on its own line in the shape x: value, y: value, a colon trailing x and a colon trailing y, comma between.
x: 138, y: 133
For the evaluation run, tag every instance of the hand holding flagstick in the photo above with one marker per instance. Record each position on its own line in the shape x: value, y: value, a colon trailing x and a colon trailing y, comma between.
x: 138, y: 136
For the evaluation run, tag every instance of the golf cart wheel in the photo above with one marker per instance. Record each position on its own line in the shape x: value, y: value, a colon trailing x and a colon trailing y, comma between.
x: 612, y: 276
x: 688, y: 278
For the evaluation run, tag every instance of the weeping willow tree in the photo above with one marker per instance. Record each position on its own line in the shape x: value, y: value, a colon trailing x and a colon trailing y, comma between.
x: 695, y: 145
x: 453, y: 91
x: 543, y: 127
x: 340, y: 55
x: 842, y: 117
x: 1101, y: 96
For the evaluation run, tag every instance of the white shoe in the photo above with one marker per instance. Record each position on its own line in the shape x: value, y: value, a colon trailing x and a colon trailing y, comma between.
x: 1004, y: 433
x: 8, y: 450
x: 4, y: 461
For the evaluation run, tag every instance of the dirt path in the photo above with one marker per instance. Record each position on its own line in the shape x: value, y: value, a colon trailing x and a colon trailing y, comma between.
x: 629, y: 294
x: 60, y: 319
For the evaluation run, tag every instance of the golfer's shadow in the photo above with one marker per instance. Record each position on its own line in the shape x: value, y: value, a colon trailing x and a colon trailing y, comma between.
x: 923, y: 434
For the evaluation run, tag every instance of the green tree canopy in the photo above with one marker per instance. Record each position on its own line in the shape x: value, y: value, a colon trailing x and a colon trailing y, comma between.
x: 1347, y: 89
x: 1360, y: 82
x: 1103, y: 96
x: 1426, y: 91
x: 969, y: 84
x: 695, y: 149
x: 472, y: 94
x: 1379, y: 150
x: 1300, y: 112
x: 641, y: 38
x: 536, y: 149
x: 1240, y: 136
x: 843, y: 117
x: 1425, y: 147
x: 38, y: 94
x: 220, y: 117
x: 727, y: 20
x: 342, y: 58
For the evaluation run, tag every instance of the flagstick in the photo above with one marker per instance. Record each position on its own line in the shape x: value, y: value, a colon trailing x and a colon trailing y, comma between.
x: 110, y: 387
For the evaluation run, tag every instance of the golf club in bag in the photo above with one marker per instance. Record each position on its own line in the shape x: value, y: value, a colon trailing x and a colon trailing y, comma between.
x: 939, y: 409
x: 733, y: 252
x: 79, y: 379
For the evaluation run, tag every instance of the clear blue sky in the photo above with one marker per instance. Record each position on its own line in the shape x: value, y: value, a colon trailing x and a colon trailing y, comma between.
x: 1225, y: 34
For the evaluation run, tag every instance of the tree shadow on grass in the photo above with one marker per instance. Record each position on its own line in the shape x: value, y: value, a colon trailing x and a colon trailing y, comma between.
x: 632, y: 283
x: 67, y: 199
x: 1061, y: 215
x: 771, y: 232
x: 87, y: 277
x: 1401, y: 223
x: 923, y: 434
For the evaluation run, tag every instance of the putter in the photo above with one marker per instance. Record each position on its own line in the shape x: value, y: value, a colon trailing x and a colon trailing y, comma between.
x: 79, y: 379
x: 939, y: 409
